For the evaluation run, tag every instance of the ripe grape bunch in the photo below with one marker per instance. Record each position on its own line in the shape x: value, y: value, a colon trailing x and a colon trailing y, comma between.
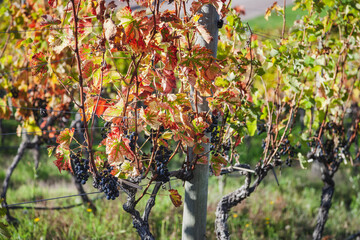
x: 213, y: 129
x: 162, y: 157
x: 106, y: 129
x: 107, y: 183
x: 131, y: 137
x: 81, y: 168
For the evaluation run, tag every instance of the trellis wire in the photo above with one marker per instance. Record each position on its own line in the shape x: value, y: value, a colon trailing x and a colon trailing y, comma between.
x: 63, y: 197
x: 46, y: 29
x: 50, y: 199
x: 39, y: 65
x: 73, y: 112
x: 54, y: 208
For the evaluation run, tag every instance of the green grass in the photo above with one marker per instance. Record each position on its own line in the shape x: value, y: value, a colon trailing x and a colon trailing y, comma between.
x: 274, y: 21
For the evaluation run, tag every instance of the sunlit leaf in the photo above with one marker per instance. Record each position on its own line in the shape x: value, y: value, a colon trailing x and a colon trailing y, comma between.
x: 175, y: 197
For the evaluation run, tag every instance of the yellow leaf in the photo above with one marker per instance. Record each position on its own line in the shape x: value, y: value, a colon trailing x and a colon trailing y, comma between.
x: 197, y: 17
x: 31, y: 128
x: 175, y: 197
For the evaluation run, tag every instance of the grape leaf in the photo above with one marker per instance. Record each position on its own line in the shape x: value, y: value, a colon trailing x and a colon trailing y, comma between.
x: 117, y: 147
x: 39, y: 63
x: 198, y: 148
x: 50, y: 150
x: 112, y: 112
x: 175, y: 197
x: 203, y: 32
x: 62, y: 162
x: 217, y: 161
x: 53, y: 3
x: 65, y: 137
x: 49, y: 20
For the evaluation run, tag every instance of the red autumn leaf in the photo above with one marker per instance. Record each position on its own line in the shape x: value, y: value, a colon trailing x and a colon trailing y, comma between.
x: 216, y: 169
x: 113, y: 111
x: 211, y: 71
x: 65, y: 138
x: 238, y: 141
x: 85, y: 52
x: 84, y: 26
x: 218, y: 158
x: 168, y: 80
x: 91, y: 7
x: 49, y: 20
x: 165, y: 34
x: 203, y: 32
x: 171, y: 58
x: 240, y: 9
x: 88, y: 69
x: 102, y: 106
x: 53, y: 3
x: 145, y: 91
x: 39, y: 63
x: 175, y: 197
x: 144, y: 3
x: 61, y: 162
x: 137, y: 45
x: 202, y: 160
x: 117, y: 147
x: 217, y: 161
x: 198, y: 149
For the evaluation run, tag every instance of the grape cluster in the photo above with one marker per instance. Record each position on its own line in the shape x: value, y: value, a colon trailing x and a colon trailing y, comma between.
x: 285, y: 150
x: 107, y: 183
x: 328, y: 151
x: 43, y: 112
x: 106, y: 129
x: 14, y: 92
x: 39, y: 103
x: 334, y: 128
x: 261, y: 128
x: 131, y: 137
x: 213, y: 129
x: 161, y: 158
x: 80, y: 168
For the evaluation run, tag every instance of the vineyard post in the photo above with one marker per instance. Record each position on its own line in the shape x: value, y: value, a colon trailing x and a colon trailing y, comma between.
x: 196, y: 190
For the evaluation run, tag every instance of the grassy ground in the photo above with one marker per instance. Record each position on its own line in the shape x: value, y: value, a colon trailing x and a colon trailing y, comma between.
x: 275, y: 22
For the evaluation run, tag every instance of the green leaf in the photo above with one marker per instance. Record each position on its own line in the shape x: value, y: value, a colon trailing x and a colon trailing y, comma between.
x: 198, y: 149
x: 260, y: 71
x: 312, y: 38
x: 317, y: 68
x: 50, y: 150
x: 251, y: 126
x: 221, y: 82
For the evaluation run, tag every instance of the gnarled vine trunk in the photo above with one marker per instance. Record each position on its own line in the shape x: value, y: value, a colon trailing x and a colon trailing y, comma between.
x: 141, y: 224
x: 232, y: 199
x: 326, y: 198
